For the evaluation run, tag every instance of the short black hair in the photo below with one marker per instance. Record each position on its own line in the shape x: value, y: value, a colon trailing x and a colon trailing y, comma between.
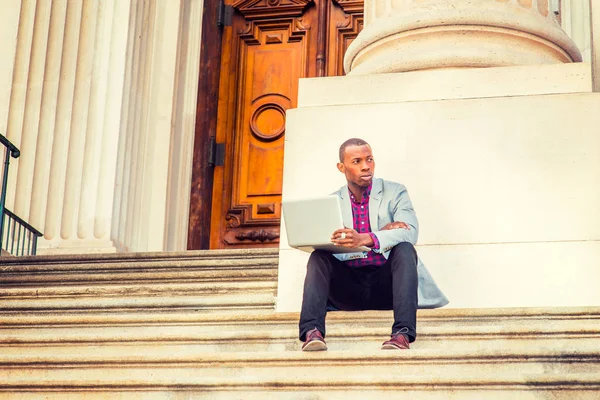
x: 351, y: 142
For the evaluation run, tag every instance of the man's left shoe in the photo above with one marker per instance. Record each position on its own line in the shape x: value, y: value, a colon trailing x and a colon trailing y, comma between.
x: 398, y: 341
x: 314, y: 341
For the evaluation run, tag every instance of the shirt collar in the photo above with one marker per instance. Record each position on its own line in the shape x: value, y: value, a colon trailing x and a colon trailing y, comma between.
x: 365, y: 195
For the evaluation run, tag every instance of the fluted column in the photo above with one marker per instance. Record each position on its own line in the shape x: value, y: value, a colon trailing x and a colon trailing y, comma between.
x: 183, y: 131
x: 66, y: 84
x: 595, y: 53
x: 575, y: 15
x: 9, y: 29
x: 100, y: 96
x: 157, y: 129
x: 406, y: 35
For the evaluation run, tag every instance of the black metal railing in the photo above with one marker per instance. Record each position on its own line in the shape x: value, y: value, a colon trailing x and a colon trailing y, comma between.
x: 17, y: 237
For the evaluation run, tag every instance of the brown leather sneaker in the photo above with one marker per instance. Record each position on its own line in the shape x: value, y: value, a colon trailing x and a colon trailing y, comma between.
x: 314, y: 341
x: 399, y: 341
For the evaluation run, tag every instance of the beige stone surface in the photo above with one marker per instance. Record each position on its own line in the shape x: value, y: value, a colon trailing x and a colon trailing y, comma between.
x: 126, y: 332
x: 98, y: 352
x: 100, y: 96
x: 183, y: 126
x: 66, y: 71
x: 499, y: 185
x: 202, y: 281
x: 408, y: 35
x: 446, y: 85
x: 568, y: 392
x: 512, y: 159
x: 595, y: 52
x: 152, y: 185
x: 9, y: 26
x: 575, y: 20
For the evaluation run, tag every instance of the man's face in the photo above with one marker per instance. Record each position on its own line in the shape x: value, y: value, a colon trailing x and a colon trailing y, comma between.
x: 358, y: 165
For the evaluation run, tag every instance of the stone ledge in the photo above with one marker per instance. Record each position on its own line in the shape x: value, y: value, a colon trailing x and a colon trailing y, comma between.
x: 250, y: 331
x: 245, y: 254
x: 261, y: 299
x: 125, y: 290
x: 4, y: 253
x: 572, y: 389
x: 445, y: 85
x: 141, y: 275
x: 307, y: 359
x: 213, y: 339
x: 566, y: 369
x: 30, y: 266
x: 440, y: 315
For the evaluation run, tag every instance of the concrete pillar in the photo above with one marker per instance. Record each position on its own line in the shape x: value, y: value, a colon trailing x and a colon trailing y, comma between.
x: 65, y: 85
x: 576, y: 23
x: 9, y: 29
x: 184, y: 126
x: 408, y: 35
x: 100, y: 96
x: 157, y: 129
x: 595, y: 52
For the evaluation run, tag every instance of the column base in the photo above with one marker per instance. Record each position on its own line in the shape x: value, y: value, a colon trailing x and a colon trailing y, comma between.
x: 505, y: 188
x: 78, y: 246
x: 401, y: 36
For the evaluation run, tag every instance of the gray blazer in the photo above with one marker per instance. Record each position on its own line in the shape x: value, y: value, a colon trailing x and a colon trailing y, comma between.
x: 389, y: 202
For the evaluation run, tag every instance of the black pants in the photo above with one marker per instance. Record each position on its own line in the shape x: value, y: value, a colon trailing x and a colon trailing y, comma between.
x: 392, y: 286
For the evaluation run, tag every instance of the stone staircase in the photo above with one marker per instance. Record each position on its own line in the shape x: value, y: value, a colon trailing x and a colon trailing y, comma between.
x: 201, y: 325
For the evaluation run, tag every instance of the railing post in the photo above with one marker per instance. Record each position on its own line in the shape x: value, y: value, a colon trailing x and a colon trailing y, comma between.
x: 3, y: 193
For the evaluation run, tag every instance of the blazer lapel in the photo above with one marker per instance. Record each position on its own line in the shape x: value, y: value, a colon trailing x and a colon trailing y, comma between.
x: 346, y: 207
x: 374, y: 203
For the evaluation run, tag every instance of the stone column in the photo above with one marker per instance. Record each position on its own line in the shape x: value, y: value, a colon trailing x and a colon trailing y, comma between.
x: 100, y: 96
x: 152, y: 189
x: 407, y: 35
x: 9, y: 28
x: 576, y: 23
x: 595, y: 53
x: 65, y: 92
x: 184, y: 126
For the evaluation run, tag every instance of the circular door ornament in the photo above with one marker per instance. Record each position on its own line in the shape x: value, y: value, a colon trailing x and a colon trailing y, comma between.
x: 268, y: 122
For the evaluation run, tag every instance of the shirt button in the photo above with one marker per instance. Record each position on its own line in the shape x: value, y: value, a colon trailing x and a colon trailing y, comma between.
x: 362, y: 222
x: 362, y: 206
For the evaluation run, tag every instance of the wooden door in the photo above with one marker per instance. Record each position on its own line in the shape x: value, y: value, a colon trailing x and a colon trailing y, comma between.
x: 266, y: 47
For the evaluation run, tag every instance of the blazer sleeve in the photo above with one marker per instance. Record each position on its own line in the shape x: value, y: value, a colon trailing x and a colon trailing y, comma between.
x: 400, y: 209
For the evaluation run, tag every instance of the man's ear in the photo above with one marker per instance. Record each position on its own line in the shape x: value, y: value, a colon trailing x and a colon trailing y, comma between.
x: 341, y: 167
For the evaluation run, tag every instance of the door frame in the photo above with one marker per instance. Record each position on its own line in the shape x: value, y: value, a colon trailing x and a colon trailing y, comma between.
x: 206, y: 123
x: 348, y: 23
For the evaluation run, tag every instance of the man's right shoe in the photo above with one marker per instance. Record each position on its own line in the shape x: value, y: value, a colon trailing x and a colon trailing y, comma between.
x: 314, y: 341
x: 398, y: 341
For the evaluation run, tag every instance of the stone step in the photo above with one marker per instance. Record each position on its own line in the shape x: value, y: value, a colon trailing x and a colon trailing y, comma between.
x: 201, y: 325
x: 432, y: 374
x: 251, y: 331
x: 93, y: 298
x: 134, y: 268
x: 135, y: 290
x: 209, y: 302
x: 198, y: 281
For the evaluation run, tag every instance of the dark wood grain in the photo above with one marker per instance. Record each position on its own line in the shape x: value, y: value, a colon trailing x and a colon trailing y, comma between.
x: 322, y: 38
x: 206, y: 122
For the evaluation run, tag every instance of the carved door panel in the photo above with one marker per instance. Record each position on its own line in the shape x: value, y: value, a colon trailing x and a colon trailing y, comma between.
x: 267, y: 48
x: 345, y: 23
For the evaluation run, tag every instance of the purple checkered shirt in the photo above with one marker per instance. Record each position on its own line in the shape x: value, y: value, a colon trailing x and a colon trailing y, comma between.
x: 360, y: 220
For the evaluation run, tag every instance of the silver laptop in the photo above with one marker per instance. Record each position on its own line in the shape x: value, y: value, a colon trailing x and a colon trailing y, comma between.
x: 311, y: 222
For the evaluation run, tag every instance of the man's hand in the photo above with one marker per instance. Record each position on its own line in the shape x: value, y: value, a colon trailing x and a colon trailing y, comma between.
x: 395, y: 225
x: 350, y: 238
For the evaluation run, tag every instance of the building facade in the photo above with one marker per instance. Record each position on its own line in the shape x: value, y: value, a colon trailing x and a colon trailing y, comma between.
x: 150, y: 125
